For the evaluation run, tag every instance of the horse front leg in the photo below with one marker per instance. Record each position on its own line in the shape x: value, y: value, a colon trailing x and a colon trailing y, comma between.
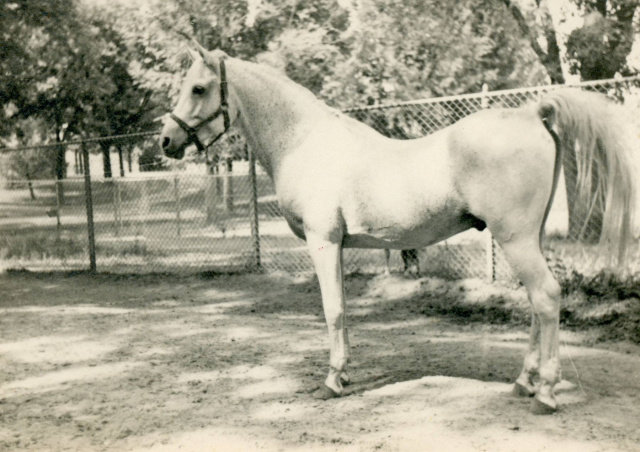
x: 327, y: 258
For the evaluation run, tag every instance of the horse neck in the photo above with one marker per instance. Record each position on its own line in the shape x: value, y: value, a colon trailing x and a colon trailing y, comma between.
x: 275, y: 113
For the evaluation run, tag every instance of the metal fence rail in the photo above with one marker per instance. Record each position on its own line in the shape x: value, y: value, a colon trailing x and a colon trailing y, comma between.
x: 181, y: 221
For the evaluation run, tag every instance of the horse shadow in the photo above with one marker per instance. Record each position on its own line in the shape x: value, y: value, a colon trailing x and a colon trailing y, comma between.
x: 417, y: 334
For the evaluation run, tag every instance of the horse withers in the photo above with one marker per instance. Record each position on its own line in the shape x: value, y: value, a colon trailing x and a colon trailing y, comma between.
x: 340, y: 184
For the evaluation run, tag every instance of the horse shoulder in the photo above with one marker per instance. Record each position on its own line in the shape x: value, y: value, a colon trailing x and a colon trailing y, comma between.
x: 311, y: 178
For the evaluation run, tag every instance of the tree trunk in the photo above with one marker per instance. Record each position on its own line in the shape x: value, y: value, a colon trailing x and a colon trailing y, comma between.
x: 61, y: 169
x: 549, y: 57
x: 130, y: 160
x: 106, y: 159
x: 30, y: 185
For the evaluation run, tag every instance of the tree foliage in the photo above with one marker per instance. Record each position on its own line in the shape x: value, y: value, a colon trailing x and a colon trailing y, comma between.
x: 34, y: 163
x: 599, y: 49
x: 111, y: 68
x: 68, y: 68
x: 411, y: 49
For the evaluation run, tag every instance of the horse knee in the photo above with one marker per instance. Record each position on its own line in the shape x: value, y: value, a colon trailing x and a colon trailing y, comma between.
x: 550, y: 373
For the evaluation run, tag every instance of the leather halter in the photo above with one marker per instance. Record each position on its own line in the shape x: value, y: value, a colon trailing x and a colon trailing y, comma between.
x: 223, y: 109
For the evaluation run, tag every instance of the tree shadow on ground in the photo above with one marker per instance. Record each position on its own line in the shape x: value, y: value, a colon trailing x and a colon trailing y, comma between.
x: 214, y: 350
x: 403, y: 338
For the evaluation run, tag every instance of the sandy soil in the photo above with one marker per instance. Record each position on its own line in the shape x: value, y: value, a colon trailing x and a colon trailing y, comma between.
x: 227, y: 363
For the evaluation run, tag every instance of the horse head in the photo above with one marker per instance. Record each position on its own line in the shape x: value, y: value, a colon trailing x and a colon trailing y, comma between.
x: 204, y: 111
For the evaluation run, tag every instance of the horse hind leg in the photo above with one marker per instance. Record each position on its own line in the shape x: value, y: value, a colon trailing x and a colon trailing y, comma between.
x: 542, y: 359
x: 525, y: 383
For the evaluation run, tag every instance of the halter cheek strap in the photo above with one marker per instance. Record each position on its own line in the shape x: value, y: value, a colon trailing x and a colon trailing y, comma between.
x: 223, y: 109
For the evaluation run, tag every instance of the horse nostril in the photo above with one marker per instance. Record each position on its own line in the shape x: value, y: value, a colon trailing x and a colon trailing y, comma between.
x: 165, y: 142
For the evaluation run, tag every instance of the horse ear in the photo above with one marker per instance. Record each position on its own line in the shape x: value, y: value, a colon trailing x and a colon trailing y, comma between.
x: 205, y: 54
x: 201, y: 50
x: 193, y: 55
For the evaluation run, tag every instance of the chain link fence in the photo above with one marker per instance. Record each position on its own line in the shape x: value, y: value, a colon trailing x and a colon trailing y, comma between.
x: 571, y: 237
x: 190, y: 219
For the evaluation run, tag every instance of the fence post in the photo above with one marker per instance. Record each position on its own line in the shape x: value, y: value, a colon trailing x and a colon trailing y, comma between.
x: 89, y: 203
x: 176, y: 191
x: 490, y: 247
x: 484, y: 102
x: 117, y: 214
x: 253, y: 209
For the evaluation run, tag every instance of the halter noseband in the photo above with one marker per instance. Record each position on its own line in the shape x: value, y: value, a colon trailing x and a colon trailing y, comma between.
x: 223, y: 109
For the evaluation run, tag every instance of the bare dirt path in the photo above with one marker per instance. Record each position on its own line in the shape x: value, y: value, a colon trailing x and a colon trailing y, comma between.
x: 227, y: 363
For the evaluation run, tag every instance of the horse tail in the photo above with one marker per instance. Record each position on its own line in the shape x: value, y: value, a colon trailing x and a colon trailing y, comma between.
x: 585, y: 124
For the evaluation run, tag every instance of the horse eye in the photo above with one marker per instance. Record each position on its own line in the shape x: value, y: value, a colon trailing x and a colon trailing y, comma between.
x: 198, y: 90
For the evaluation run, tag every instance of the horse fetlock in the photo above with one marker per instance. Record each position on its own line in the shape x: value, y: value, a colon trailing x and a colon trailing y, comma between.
x: 531, y: 365
x: 334, y: 382
x: 340, y: 365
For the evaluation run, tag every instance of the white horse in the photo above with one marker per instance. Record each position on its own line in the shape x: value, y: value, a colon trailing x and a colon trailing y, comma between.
x: 340, y: 184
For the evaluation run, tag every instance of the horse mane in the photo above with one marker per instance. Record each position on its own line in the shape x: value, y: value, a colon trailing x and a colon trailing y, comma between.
x: 281, y: 77
x: 275, y: 76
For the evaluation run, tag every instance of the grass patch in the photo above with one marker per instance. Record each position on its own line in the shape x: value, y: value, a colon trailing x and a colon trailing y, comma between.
x: 41, y: 245
x: 604, y: 301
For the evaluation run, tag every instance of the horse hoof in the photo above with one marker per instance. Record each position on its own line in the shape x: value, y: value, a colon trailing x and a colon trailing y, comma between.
x: 345, y: 379
x: 324, y: 392
x: 541, y: 408
x: 522, y: 391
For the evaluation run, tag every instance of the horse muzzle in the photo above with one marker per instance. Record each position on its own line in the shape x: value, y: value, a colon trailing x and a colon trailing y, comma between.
x: 171, y: 146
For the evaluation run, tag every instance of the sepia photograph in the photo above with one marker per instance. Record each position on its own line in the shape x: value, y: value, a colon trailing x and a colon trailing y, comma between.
x: 320, y: 225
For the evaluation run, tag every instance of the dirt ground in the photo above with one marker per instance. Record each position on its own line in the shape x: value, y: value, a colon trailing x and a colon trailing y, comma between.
x: 228, y: 363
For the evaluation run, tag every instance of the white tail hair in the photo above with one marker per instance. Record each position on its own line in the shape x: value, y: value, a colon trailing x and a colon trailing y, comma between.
x: 589, y: 124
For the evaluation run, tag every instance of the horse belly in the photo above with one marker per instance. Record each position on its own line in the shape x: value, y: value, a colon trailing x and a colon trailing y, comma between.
x: 429, y: 229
